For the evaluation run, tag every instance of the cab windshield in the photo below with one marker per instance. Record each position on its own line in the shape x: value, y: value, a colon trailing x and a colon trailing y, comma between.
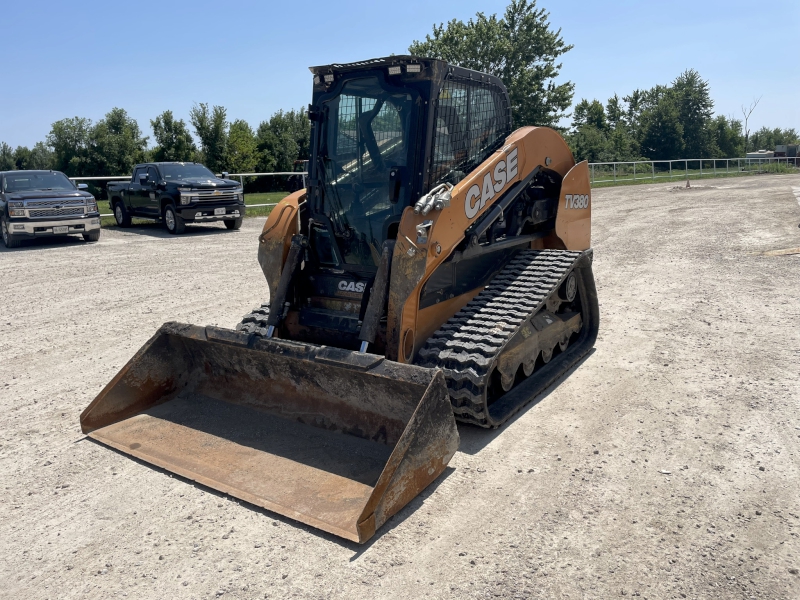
x: 185, y: 171
x: 36, y: 182
x: 367, y: 148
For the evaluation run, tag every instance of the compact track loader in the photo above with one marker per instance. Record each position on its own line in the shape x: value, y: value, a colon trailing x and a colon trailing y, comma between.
x: 437, y: 266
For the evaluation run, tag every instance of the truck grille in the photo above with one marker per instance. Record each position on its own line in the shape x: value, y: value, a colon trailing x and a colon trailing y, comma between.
x: 56, y: 202
x: 209, y: 197
x: 55, y: 212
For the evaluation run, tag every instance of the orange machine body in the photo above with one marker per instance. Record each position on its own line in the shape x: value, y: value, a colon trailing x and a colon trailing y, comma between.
x: 413, y: 263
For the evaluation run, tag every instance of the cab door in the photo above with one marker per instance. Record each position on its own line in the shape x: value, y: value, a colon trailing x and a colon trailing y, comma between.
x: 135, y: 190
x: 150, y: 194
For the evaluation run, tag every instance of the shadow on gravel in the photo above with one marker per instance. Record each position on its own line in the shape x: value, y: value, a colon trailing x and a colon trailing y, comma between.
x: 56, y: 241
x: 474, y: 438
x: 268, y: 532
x: 405, y: 512
x: 157, y: 230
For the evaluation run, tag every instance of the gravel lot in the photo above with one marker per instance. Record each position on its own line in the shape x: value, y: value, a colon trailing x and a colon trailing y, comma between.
x: 665, y: 466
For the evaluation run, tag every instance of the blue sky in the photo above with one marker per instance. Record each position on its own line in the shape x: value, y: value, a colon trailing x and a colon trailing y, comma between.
x: 85, y: 57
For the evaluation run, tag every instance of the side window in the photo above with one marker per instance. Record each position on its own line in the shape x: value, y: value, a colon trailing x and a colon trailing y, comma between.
x: 137, y: 173
x: 449, y: 148
x: 346, y: 134
x: 471, y: 121
x: 152, y: 174
x: 484, y: 121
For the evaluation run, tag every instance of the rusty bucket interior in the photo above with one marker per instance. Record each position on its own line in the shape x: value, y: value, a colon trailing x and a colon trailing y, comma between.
x: 332, y: 438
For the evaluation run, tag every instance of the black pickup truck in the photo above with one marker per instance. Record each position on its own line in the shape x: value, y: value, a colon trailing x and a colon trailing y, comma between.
x: 177, y: 193
x: 45, y: 203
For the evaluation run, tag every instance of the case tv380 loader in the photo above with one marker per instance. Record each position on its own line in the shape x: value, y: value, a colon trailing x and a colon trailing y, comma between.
x: 437, y: 267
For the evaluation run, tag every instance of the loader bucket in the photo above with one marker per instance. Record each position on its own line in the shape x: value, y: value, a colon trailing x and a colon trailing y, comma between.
x: 335, y: 439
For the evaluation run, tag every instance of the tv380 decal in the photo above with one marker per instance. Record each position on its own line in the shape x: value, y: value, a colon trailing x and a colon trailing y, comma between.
x: 576, y: 200
x: 477, y: 196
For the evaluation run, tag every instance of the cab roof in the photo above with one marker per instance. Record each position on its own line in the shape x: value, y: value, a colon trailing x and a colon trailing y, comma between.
x: 430, y: 68
x: 374, y: 63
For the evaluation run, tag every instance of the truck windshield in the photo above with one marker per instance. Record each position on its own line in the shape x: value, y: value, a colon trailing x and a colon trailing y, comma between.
x: 185, y: 171
x: 38, y: 182
x: 366, y: 148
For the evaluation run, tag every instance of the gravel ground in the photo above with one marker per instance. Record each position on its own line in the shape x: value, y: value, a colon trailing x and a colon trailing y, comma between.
x: 665, y: 466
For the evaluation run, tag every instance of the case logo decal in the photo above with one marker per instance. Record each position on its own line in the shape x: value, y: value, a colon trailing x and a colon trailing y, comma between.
x: 352, y: 286
x: 494, y: 183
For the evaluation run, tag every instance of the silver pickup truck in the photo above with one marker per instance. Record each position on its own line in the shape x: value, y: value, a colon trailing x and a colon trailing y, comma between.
x: 45, y: 203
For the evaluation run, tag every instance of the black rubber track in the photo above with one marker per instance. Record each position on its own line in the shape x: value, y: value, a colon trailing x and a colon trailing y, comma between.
x: 256, y: 321
x: 467, y: 347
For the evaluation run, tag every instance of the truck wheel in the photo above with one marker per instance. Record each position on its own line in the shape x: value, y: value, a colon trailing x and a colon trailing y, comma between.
x: 9, y: 240
x: 121, y: 215
x: 234, y: 223
x: 92, y: 236
x: 174, y: 222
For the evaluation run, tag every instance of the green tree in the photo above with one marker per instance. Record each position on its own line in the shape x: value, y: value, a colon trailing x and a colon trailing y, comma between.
x: 7, y: 161
x: 284, y: 139
x: 621, y: 146
x: 728, y: 137
x: 242, y: 154
x: 173, y: 140
x: 69, y: 139
x: 296, y: 121
x: 211, y: 128
x: 789, y: 136
x: 600, y: 134
x: 38, y: 157
x: 695, y: 111
x: 22, y: 157
x: 662, y: 132
x: 41, y: 157
x: 520, y: 48
x: 116, y: 144
x: 639, y: 102
x: 589, y: 143
x: 277, y: 148
x: 621, y: 143
x: 589, y: 113
x: 615, y: 112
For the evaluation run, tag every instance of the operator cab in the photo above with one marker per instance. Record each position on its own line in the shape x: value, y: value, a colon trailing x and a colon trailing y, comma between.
x: 384, y: 132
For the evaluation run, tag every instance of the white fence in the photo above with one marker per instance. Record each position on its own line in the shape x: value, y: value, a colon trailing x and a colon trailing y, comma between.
x: 685, y: 168
x: 602, y: 173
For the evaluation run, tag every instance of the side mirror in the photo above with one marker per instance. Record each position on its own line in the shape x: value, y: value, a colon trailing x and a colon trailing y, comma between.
x: 224, y: 174
x: 142, y: 179
x: 83, y: 186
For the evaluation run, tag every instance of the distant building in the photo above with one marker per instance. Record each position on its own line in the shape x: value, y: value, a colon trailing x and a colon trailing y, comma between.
x: 788, y: 150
